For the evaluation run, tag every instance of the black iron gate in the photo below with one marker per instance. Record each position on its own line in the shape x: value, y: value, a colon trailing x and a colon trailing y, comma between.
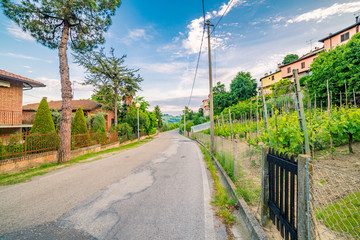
x: 282, y: 195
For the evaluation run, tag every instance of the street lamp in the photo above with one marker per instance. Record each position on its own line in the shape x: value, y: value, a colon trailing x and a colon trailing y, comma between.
x: 138, y: 106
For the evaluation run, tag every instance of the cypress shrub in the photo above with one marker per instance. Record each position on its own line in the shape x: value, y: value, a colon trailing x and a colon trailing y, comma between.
x: 43, y: 122
x: 98, y: 123
x: 78, y: 125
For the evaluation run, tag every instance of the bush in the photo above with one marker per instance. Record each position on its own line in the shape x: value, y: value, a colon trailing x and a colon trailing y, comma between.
x: 124, y: 129
x: 98, y: 123
x: 78, y: 125
x: 43, y: 122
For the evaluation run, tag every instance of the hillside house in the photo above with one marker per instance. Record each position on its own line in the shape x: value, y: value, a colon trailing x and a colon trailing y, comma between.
x: 269, y: 80
x: 11, y: 100
x: 89, y: 107
x: 302, y: 65
x: 341, y: 37
x: 206, y: 108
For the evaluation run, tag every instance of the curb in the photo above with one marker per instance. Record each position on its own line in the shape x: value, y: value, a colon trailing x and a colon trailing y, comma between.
x: 253, y: 227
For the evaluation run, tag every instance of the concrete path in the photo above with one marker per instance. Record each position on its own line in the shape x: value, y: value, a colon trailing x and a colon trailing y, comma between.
x: 160, y: 190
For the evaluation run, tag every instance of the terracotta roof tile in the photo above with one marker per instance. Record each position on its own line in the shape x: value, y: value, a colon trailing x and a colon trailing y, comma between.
x: 6, y: 75
x: 87, y: 105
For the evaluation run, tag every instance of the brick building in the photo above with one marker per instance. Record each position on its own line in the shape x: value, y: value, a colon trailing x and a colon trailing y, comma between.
x: 89, y: 107
x: 11, y: 97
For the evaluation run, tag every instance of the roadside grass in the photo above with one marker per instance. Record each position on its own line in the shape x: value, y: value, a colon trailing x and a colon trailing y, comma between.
x: 222, y: 202
x: 13, y: 178
x: 342, y: 216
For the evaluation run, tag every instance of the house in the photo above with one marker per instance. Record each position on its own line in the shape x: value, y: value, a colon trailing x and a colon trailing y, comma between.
x: 89, y: 107
x: 206, y: 108
x: 302, y: 65
x: 11, y: 99
x: 341, y: 37
x: 269, y: 80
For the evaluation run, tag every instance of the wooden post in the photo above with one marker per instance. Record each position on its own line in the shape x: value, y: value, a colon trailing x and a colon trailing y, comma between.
x: 232, y: 139
x: 264, y: 199
x: 264, y: 110
x: 276, y: 126
x: 315, y: 108
x: 329, y: 115
x: 303, y: 201
x: 222, y: 119
x: 346, y: 101
x: 301, y: 112
x: 310, y: 113
x: 354, y: 98
x: 257, y: 114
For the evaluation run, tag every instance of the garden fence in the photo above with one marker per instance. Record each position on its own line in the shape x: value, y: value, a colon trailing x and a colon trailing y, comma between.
x: 25, y: 144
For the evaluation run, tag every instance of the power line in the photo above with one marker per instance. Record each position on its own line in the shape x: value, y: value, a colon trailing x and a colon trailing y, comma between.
x: 227, y: 8
x: 198, y: 60
x: 197, y: 66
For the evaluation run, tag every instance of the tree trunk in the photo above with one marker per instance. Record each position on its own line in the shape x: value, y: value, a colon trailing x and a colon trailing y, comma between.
x: 350, y: 143
x: 115, y: 107
x: 65, y: 124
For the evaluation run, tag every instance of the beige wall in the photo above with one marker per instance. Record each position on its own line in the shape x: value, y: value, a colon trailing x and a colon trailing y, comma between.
x: 268, y: 81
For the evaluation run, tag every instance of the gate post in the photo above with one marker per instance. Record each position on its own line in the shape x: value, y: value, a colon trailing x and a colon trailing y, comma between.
x: 264, y: 197
x: 303, y: 201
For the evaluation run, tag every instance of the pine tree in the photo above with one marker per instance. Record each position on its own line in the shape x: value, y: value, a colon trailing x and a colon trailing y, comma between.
x: 43, y: 122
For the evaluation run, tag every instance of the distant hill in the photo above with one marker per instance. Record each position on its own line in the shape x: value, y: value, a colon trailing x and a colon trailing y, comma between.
x: 170, y: 119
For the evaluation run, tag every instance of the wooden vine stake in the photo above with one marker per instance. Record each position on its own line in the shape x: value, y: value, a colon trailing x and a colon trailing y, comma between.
x: 329, y: 114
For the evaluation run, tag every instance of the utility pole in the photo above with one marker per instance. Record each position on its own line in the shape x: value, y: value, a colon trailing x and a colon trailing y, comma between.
x: 211, y: 92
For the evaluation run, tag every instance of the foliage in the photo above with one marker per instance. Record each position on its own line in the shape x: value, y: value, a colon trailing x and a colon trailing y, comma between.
x: 131, y: 119
x: 158, y: 115
x: 338, y: 66
x: 56, y: 117
x: 242, y: 87
x: 290, y: 58
x: 108, y: 74
x: 43, y: 122
x: 282, y: 87
x: 78, y: 125
x: 98, y: 123
x: 124, y: 129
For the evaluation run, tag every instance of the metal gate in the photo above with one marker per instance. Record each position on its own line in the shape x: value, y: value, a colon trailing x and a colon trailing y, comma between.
x: 283, y: 193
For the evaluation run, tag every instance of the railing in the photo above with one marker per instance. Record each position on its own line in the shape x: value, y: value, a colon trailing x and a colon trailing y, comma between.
x: 26, y: 144
x: 10, y: 117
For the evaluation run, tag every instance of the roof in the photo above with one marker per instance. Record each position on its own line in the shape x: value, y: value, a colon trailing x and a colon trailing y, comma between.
x: 86, y: 105
x: 10, y: 76
x: 270, y: 74
x: 338, y: 32
x: 307, y: 55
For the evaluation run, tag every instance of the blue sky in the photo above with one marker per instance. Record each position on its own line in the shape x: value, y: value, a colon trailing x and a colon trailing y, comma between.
x: 162, y: 38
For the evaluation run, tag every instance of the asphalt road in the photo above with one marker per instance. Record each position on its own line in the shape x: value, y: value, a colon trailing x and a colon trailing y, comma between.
x: 160, y: 190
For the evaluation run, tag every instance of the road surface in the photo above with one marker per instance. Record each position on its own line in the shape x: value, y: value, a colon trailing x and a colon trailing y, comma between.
x: 160, y: 190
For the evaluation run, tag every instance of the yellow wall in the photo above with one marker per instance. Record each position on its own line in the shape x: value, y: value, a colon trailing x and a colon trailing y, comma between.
x: 267, y: 82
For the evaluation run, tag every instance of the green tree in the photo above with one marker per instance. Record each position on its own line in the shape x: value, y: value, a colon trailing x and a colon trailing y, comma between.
x: 98, y: 123
x: 290, y: 58
x: 109, y: 72
x: 338, y: 66
x: 242, y: 87
x: 43, y: 122
x: 51, y: 23
x: 131, y: 119
x: 78, y: 125
x: 158, y: 115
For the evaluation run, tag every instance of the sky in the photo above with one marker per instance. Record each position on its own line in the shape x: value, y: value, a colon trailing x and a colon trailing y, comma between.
x: 163, y: 38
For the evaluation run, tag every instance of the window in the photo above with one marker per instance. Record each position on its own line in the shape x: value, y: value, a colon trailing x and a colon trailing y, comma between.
x: 345, y: 37
x: 289, y: 69
x: 303, y: 65
x: 272, y: 77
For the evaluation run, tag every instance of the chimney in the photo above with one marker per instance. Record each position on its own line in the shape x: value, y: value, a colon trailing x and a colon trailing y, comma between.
x: 266, y: 74
x: 356, y: 19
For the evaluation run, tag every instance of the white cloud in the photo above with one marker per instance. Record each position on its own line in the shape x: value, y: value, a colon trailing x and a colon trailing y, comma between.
x: 167, y: 68
x: 137, y: 34
x: 18, y: 33
x: 321, y: 14
x: 15, y: 55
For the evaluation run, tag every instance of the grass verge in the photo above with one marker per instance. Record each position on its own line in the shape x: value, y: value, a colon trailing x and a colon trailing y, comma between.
x: 222, y: 202
x: 13, y: 178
